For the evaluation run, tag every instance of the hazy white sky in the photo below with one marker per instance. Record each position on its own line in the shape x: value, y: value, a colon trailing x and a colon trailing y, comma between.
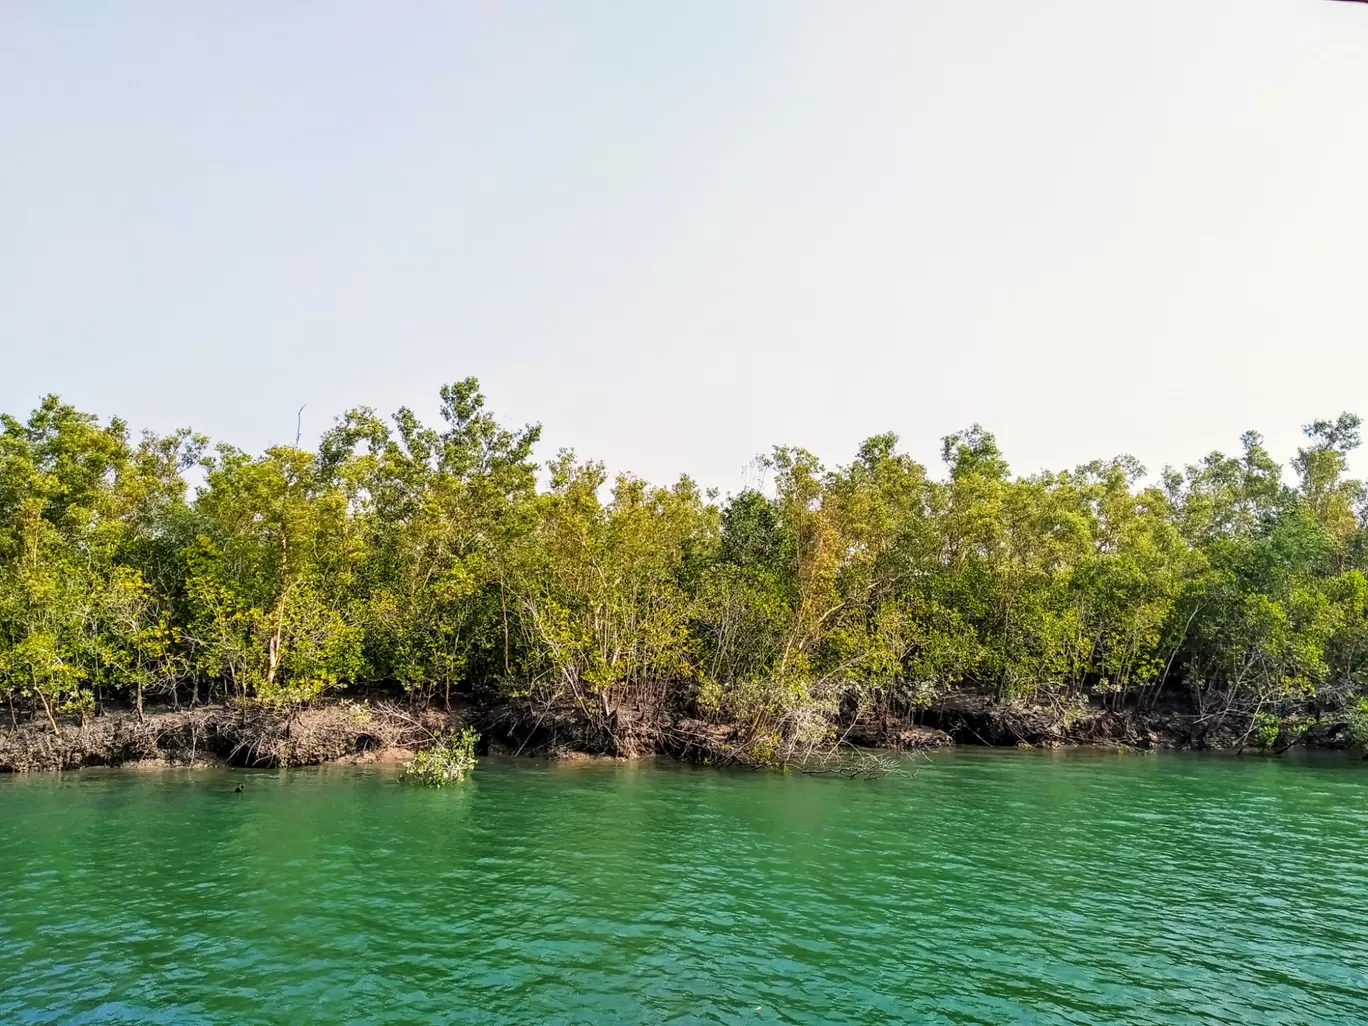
x: 679, y: 233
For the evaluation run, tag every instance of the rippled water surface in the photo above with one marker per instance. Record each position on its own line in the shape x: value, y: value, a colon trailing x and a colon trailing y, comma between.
x: 981, y: 887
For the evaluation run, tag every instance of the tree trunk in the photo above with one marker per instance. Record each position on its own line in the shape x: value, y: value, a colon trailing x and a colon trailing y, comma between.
x: 48, y: 709
x: 503, y: 604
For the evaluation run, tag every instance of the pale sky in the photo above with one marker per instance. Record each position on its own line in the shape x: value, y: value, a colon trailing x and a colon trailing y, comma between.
x: 680, y: 233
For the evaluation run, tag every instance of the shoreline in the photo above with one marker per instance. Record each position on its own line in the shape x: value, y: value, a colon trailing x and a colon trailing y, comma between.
x: 367, y: 732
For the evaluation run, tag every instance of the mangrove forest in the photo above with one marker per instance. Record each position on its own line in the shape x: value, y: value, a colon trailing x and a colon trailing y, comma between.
x: 446, y: 565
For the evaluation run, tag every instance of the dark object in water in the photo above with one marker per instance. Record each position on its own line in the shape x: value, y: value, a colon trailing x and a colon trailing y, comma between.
x: 238, y: 789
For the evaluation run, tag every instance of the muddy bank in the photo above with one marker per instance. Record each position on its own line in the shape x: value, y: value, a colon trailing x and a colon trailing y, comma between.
x: 629, y: 731
x: 367, y: 732
x: 976, y: 720
x: 220, y: 735
x: 385, y: 730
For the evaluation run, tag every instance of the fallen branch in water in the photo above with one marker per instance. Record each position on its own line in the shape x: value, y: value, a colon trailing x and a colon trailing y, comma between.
x: 852, y: 766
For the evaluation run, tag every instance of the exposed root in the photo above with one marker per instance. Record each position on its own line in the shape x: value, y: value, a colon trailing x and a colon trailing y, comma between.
x: 253, y: 736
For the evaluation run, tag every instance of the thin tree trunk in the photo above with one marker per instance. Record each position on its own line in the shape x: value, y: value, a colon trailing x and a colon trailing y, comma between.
x: 47, y: 709
x: 503, y: 603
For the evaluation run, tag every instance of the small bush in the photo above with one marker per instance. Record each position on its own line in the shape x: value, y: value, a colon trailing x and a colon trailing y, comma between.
x: 1267, y: 727
x: 448, y: 760
x: 1358, y: 724
x: 358, y: 713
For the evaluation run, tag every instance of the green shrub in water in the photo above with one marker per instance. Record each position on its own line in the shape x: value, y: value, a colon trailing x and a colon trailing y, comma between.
x: 1272, y: 731
x: 1358, y: 724
x: 1267, y: 727
x: 449, y: 759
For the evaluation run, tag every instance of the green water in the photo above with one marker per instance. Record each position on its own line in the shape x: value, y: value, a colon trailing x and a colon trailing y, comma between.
x: 983, y: 887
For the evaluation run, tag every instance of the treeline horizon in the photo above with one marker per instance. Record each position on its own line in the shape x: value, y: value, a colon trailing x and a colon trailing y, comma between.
x: 431, y: 558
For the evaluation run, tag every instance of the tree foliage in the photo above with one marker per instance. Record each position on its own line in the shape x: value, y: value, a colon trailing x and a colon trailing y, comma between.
x: 429, y: 557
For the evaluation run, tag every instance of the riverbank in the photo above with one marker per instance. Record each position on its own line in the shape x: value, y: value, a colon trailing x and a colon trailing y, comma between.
x: 211, y: 735
x: 366, y: 731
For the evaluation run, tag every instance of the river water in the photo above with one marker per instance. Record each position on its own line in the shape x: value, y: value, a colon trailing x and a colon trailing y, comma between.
x: 977, y: 887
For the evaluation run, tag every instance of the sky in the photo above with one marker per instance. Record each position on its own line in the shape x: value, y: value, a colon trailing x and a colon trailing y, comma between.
x: 678, y: 234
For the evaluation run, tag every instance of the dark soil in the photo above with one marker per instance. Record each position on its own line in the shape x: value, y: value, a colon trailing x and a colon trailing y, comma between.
x: 218, y: 734
x: 360, y: 731
x: 977, y: 720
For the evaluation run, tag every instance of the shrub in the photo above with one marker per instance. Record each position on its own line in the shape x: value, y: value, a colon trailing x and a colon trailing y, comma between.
x: 1358, y: 724
x: 1267, y: 727
x: 449, y: 759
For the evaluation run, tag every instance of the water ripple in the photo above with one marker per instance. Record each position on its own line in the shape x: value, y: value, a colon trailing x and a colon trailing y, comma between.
x: 982, y: 887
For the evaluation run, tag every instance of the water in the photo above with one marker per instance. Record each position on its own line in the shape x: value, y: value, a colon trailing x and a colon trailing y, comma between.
x: 983, y: 887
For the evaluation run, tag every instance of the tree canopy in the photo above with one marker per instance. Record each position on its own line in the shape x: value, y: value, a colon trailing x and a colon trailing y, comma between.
x: 429, y: 558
